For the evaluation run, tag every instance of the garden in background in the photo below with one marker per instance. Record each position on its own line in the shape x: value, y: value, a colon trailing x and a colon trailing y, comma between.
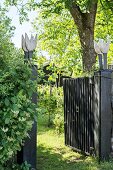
x: 52, y: 154
x: 66, y: 31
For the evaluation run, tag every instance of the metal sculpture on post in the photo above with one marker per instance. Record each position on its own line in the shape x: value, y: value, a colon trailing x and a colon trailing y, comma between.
x: 28, y: 46
x: 101, y: 48
x: 28, y: 151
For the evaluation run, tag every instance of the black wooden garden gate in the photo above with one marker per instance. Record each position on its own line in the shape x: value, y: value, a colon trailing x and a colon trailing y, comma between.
x: 88, y: 113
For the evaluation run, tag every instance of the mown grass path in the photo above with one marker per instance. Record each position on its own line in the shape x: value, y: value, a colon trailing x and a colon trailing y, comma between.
x: 52, y: 154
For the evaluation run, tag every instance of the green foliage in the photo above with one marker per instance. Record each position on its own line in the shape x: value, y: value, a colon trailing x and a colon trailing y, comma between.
x: 59, y: 112
x: 50, y: 103
x: 16, y: 109
x: 58, y: 36
x: 58, y: 33
x: 104, y: 20
x: 47, y: 103
x: 5, y: 24
x: 103, y: 27
x: 59, y: 123
x: 14, y: 166
x: 23, y: 166
x: 56, y: 6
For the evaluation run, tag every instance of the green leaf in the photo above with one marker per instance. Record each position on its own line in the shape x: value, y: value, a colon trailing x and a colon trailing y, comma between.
x: 15, y: 107
x: 7, y: 102
x: 13, y: 99
x: 30, y: 110
x: 7, y: 120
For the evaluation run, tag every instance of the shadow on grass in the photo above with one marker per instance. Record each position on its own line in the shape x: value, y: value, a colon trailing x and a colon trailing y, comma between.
x: 49, y: 160
x: 55, y: 156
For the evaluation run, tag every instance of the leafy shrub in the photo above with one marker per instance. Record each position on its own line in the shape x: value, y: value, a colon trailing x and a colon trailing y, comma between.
x: 16, y: 109
x: 50, y: 103
x: 59, y: 116
x: 14, y: 166
x: 47, y: 103
x: 59, y: 123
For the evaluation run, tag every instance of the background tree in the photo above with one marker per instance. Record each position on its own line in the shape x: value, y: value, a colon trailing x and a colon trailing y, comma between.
x: 57, y: 35
x: 84, y: 14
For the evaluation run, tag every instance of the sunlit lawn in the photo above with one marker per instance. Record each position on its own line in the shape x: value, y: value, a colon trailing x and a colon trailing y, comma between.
x: 52, y: 154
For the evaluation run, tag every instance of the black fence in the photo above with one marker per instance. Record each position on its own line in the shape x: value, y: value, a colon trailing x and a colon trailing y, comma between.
x: 88, y: 114
x: 79, y: 116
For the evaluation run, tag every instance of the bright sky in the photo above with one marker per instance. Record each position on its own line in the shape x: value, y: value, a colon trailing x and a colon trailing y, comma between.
x: 26, y: 27
x: 20, y: 29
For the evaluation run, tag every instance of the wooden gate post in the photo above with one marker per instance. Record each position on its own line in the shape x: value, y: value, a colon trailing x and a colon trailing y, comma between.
x: 28, y: 151
x: 102, y: 113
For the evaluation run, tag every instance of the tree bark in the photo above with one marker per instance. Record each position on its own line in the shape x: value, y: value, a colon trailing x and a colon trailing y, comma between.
x: 85, y: 23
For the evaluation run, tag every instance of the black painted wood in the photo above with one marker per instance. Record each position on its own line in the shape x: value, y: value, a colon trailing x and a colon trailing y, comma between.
x: 106, y: 114
x: 88, y: 113
x: 28, y: 151
x: 97, y: 109
x: 78, y: 113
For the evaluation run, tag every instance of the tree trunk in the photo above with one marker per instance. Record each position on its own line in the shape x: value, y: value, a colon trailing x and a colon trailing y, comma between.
x: 88, y: 53
x: 85, y: 24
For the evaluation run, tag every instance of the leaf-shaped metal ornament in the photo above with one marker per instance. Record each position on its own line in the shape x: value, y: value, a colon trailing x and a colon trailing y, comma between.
x: 98, y: 51
x: 104, y: 46
x: 33, y: 43
x: 27, y: 42
x: 23, y: 44
x: 97, y: 48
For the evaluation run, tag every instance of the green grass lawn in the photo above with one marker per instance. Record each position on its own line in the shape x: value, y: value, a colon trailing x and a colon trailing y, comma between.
x: 52, y: 154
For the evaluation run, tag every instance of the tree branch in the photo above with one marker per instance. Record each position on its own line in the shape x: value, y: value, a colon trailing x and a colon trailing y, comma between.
x: 76, y: 14
x: 81, y: 19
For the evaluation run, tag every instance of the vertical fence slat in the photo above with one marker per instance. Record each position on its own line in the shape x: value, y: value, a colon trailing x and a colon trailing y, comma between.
x: 76, y: 120
x: 73, y: 118
x: 88, y: 113
x: 68, y: 125
x: 84, y: 115
x: 65, y: 114
x: 78, y: 117
x: 77, y: 109
x: 105, y: 114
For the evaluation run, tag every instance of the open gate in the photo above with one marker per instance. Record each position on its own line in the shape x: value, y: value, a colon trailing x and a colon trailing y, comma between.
x: 79, y: 115
x: 88, y: 113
